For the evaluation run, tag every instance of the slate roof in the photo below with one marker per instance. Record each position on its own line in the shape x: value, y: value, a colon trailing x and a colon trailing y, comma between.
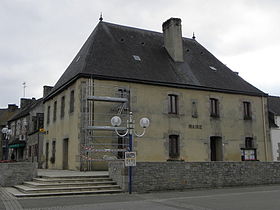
x: 5, y: 115
x: 25, y: 111
x: 108, y: 54
x: 274, y: 104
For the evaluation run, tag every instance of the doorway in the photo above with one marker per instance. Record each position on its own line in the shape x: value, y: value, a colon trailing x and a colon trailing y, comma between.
x: 216, y: 148
x: 47, y: 155
x: 65, y: 154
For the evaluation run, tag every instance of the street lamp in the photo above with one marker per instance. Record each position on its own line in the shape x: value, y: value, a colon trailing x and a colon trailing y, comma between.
x: 144, y: 123
x: 7, y: 132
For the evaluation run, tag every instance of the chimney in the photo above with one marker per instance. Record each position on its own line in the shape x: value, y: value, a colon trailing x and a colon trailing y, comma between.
x: 47, y: 90
x: 25, y: 102
x: 173, y: 38
x: 12, y: 107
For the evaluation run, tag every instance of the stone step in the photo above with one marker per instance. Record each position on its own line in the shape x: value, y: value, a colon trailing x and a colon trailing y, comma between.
x: 35, y: 184
x: 75, y: 176
x: 71, y: 180
x: 18, y: 193
x: 27, y: 190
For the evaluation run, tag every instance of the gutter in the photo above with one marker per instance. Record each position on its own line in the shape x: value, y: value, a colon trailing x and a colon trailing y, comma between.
x: 175, y: 85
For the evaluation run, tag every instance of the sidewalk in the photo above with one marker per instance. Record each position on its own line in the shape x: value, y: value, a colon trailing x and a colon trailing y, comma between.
x: 7, y: 201
x: 65, y: 173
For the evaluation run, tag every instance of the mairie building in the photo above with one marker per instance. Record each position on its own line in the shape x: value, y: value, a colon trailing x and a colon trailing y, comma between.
x: 199, y: 109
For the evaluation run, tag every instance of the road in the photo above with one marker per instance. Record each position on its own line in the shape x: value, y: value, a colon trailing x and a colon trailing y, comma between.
x: 255, y: 198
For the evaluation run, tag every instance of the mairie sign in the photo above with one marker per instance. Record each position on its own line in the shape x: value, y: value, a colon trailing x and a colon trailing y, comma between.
x: 130, y: 159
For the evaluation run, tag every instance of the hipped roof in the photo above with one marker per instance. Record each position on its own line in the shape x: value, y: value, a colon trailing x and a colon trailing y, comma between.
x: 109, y: 54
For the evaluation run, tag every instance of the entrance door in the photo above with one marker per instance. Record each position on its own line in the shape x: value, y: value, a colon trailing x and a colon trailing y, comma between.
x: 47, y: 155
x: 65, y: 154
x: 216, y: 148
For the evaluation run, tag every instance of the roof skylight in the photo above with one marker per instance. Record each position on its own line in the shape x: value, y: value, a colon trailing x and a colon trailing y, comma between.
x: 213, y: 68
x: 136, y: 57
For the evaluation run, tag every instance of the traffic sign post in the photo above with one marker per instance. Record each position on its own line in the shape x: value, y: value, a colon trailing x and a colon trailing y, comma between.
x: 130, y: 159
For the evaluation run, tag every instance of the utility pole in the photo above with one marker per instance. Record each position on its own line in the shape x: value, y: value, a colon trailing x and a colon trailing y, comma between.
x: 24, y: 86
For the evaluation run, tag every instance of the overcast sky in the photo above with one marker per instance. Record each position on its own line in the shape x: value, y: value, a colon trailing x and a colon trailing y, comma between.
x: 39, y: 38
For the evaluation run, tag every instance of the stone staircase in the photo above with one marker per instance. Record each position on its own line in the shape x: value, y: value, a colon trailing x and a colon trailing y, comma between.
x: 70, y: 185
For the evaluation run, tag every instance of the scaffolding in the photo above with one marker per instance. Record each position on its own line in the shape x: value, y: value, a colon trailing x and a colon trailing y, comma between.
x: 99, y: 141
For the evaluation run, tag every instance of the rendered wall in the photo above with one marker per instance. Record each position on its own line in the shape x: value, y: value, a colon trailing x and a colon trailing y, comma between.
x: 152, y: 101
x: 67, y: 127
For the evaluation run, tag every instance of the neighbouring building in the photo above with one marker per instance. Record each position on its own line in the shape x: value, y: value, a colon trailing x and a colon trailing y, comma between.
x: 199, y: 109
x: 274, y: 122
x: 5, y: 115
x: 26, y: 139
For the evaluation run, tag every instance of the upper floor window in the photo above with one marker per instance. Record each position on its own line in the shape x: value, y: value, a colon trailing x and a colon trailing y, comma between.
x: 214, y: 107
x: 194, y: 109
x: 48, y: 114
x: 40, y: 119
x: 172, y: 104
x: 54, y: 110
x: 34, y: 122
x: 247, y: 110
x: 71, y: 109
x: 174, y: 147
x: 62, y: 107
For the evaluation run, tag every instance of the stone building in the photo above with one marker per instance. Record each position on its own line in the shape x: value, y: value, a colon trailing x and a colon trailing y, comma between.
x: 274, y: 119
x: 200, y: 110
x: 26, y: 140
x: 5, y: 115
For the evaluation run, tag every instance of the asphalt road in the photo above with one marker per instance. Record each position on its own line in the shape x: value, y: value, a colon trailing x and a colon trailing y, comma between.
x: 247, y: 198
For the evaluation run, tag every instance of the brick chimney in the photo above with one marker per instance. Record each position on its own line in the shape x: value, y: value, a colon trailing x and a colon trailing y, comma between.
x: 173, y: 43
x: 47, y: 90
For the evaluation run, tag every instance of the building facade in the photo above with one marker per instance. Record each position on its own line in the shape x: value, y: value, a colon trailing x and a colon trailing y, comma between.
x: 26, y: 140
x: 199, y: 109
x: 5, y: 115
x: 274, y: 118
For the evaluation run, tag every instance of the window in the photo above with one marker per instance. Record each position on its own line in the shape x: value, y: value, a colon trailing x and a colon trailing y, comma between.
x: 62, y: 108
x: 29, y: 151
x: 71, y: 102
x: 214, y: 107
x: 34, y: 122
x: 172, y: 104
x: 194, y: 109
x: 249, y: 143
x: 36, y: 150
x: 54, y: 111
x: 249, y: 152
x: 40, y: 118
x: 121, y: 147
x: 174, y: 146
x: 48, y: 114
x: 247, y: 110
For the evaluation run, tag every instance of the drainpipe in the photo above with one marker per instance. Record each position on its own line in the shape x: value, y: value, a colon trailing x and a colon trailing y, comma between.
x: 264, y: 129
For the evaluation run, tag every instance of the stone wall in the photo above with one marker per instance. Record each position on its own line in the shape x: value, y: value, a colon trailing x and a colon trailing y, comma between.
x: 118, y: 172
x: 161, y: 176
x: 16, y: 173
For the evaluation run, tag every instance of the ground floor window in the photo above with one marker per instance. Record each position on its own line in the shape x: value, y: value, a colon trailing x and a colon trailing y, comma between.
x: 174, y: 146
x: 249, y: 152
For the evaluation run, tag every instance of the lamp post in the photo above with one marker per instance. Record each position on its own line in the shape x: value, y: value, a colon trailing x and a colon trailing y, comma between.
x: 7, y: 132
x: 144, y: 123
